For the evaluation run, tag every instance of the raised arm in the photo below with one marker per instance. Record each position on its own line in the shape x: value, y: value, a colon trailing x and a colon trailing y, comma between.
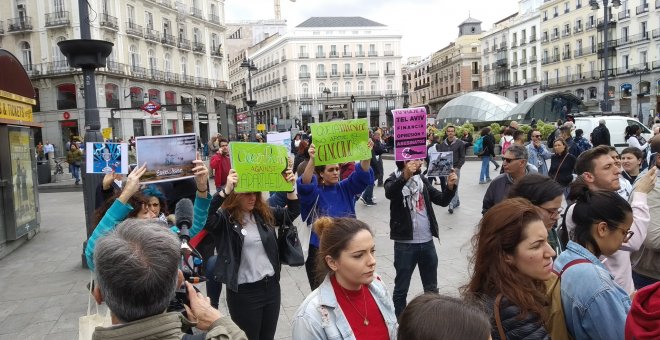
x: 309, y: 169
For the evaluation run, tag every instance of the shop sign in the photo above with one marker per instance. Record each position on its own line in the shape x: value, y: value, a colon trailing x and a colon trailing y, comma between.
x: 150, y: 107
x: 203, y: 116
x: 187, y: 116
x: 330, y: 107
x: 15, y: 107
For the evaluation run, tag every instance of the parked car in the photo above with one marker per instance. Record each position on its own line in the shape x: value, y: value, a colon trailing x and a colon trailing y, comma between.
x: 617, y: 126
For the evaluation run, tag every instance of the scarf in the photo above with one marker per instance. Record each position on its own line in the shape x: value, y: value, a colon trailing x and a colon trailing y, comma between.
x: 411, y: 191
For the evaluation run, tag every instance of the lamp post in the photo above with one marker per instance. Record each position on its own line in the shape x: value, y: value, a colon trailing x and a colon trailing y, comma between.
x: 327, y: 92
x: 249, y: 65
x: 606, y: 23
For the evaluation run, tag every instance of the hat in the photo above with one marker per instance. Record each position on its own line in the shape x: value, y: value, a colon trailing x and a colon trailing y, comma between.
x: 644, y: 317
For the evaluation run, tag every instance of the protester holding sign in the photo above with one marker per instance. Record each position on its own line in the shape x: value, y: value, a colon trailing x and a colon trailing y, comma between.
x: 249, y: 264
x: 322, y: 194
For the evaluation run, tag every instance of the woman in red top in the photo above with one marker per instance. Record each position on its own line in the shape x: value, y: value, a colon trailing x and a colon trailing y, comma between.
x: 352, y: 302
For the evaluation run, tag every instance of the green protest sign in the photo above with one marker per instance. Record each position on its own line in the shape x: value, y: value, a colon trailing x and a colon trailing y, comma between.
x: 260, y: 167
x: 341, y: 141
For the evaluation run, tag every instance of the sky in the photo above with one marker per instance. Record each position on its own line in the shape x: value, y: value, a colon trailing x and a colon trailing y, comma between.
x: 426, y: 25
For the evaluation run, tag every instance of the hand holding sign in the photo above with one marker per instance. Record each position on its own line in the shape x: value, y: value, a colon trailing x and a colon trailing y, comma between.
x: 232, y: 180
x: 132, y: 183
x: 201, y: 175
x: 452, y: 179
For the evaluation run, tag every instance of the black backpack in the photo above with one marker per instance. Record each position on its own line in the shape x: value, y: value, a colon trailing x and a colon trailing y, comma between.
x: 562, y: 229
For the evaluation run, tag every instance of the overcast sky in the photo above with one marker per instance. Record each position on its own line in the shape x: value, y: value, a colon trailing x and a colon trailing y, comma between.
x: 426, y: 25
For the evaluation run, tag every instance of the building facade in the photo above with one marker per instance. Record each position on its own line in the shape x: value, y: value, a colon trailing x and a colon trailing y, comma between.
x: 328, y: 68
x: 418, y: 77
x: 170, y: 53
x: 456, y: 68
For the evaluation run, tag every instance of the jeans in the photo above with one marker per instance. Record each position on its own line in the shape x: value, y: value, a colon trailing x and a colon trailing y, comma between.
x: 310, y: 267
x: 642, y: 281
x: 368, y: 193
x: 485, y: 162
x: 213, y: 287
x: 455, y: 202
x: 492, y: 160
x: 75, y: 172
x: 406, y: 257
x: 255, y: 308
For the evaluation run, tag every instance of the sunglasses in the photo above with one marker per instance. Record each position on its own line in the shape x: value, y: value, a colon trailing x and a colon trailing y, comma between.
x: 509, y: 160
x: 536, y: 136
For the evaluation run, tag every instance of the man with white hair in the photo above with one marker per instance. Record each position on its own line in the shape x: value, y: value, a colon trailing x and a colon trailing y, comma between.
x: 600, y: 135
x: 137, y: 273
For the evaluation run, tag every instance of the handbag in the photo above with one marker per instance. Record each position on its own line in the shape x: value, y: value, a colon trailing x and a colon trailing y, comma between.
x: 87, y: 324
x: 288, y: 243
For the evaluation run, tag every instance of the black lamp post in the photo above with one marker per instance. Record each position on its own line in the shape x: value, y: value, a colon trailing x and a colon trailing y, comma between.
x: 88, y: 55
x: 327, y: 92
x: 606, y: 44
x: 249, y: 65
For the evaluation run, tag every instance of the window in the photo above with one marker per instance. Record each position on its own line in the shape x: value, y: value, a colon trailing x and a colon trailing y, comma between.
x: 166, y: 27
x: 149, y: 20
x: 644, y: 29
x: 348, y: 87
x: 347, y: 68
x: 184, y: 66
x: 624, y: 61
x: 66, y: 96
x: 26, y: 53
x: 167, y: 63
x: 154, y: 95
x: 333, y: 68
x: 305, y: 89
x: 134, y: 57
x: 361, y: 88
x: 321, y: 87
x: 58, y: 58
x: 335, y: 88
x: 130, y: 14
x: 197, y: 35
x: 389, y: 86
x: 360, y: 68
x: 333, y: 50
x: 320, y: 69
x: 170, y: 98
x: 152, y: 60
x: 112, y: 95
x: 373, y: 87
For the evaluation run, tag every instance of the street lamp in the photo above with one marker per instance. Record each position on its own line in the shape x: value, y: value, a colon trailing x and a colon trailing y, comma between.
x: 606, y: 23
x: 249, y: 65
x: 327, y: 92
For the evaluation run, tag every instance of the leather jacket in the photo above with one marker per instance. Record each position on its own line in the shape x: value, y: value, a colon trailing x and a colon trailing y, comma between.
x: 229, y: 239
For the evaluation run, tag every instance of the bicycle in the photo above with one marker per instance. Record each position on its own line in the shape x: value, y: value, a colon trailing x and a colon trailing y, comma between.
x: 59, y: 169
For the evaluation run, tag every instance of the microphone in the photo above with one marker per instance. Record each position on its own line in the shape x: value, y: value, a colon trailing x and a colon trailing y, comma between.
x: 184, y: 216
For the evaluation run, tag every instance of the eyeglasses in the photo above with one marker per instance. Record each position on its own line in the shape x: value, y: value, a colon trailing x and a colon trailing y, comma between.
x: 536, y: 136
x: 509, y: 160
x: 553, y: 212
x: 627, y: 234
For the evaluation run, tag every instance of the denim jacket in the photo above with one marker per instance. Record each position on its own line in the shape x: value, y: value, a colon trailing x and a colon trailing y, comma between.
x: 320, y: 317
x: 595, y: 307
x: 537, y: 157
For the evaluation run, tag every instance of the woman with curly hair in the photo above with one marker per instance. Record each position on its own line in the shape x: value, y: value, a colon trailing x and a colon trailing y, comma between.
x: 510, y: 264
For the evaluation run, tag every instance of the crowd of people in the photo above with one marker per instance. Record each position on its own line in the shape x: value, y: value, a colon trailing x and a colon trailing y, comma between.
x: 568, y: 249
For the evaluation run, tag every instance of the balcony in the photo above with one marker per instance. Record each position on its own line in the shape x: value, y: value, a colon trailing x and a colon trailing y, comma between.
x: 656, y: 64
x: 108, y: 21
x: 214, y: 18
x: 304, y: 75
x: 22, y: 24
x: 544, y: 40
x: 134, y: 29
x: 601, y: 24
x: 216, y: 52
x: 334, y: 75
x: 374, y: 73
x: 359, y: 54
x: 566, y: 33
x: 320, y: 54
x: 486, y: 68
x: 641, y: 9
x: 589, y: 26
x: 514, y: 64
x: 566, y: 55
x: 196, y: 12
x: 577, y: 29
x: 58, y: 19
x: 184, y: 44
x: 554, y: 37
x: 644, y: 36
x: 389, y: 72
x: 166, y: 3
x: 347, y: 54
x: 303, y: 55
x: 373, y: 53
x: 151, y: 34
x: 321, y: 75
x: 360, y: 74
x: 624, y: 14
x: 348, y: 74
x: 501, y: 62
x: 523, y: 42
x: 532, y: 38
x: 523, y: 61
x: 514, y: 44
x: 198, y: 47
x: 333, y: 54
x: 168, y: 39
x: 388, y: 53
x: 656, y: 33
x: 533, y: 59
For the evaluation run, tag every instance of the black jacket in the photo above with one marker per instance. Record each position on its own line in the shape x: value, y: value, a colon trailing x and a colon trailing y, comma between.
x: 563, y: 175
x: 401, y: 227
x: 600, y: 136
x: 457, y: 148
x: 515, y: 328
x: 229, y: 239
x: 489, y: 145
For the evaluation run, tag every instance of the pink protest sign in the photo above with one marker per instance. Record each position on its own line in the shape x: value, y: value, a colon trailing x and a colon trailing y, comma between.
x: 409, y: 133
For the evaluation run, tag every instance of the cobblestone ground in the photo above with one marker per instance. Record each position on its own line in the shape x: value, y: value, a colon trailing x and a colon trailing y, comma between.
x: 42, y: 284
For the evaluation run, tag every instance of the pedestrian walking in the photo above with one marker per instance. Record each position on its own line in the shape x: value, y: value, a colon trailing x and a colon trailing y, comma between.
x: 323, y: 194
x: 74, y: 157
x: 413, y: 226
x: 511, y: 261
x: 487, y: 153
x: 352, y: 302
x: 601, y: 134
x: 456, y: 147
x: 247, y: 260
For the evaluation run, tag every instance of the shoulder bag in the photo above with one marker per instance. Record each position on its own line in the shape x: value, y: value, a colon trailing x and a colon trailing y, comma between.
x: 289, y: 245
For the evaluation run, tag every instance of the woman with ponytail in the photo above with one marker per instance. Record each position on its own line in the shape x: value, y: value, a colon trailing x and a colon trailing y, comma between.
x: 595, y: 306
x: 352, y: 302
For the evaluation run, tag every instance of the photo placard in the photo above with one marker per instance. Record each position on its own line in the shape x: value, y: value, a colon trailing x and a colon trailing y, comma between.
x: 168, y: 158
x: 105, y: 158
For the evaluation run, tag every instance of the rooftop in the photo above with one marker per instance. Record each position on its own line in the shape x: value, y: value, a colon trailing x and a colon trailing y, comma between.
x: 339, y: 22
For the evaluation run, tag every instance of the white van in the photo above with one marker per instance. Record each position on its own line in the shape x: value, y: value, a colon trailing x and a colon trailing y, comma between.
x: 617, y: 126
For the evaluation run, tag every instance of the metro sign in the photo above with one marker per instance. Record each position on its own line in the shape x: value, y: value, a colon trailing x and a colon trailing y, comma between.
x: 150, y: 107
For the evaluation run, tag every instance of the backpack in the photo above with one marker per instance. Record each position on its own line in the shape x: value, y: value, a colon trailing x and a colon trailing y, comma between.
x: 552, y: 136
x: 562, y: 229
x: 506, y: 144
x: 478, y: 146
x: 556, y: 322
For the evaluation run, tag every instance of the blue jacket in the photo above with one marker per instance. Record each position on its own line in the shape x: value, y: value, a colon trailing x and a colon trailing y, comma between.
x: 595, y: 307
x: 333, y: 200
x: 118, y: 212
x: 537, y: 157
x: 320, y: 317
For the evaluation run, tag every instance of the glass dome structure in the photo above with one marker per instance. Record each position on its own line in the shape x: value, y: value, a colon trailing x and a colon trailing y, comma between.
x: 475, y: 107
x: 547, y: 107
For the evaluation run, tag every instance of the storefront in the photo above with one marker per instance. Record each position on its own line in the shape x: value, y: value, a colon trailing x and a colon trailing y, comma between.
x: 19, y: 204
